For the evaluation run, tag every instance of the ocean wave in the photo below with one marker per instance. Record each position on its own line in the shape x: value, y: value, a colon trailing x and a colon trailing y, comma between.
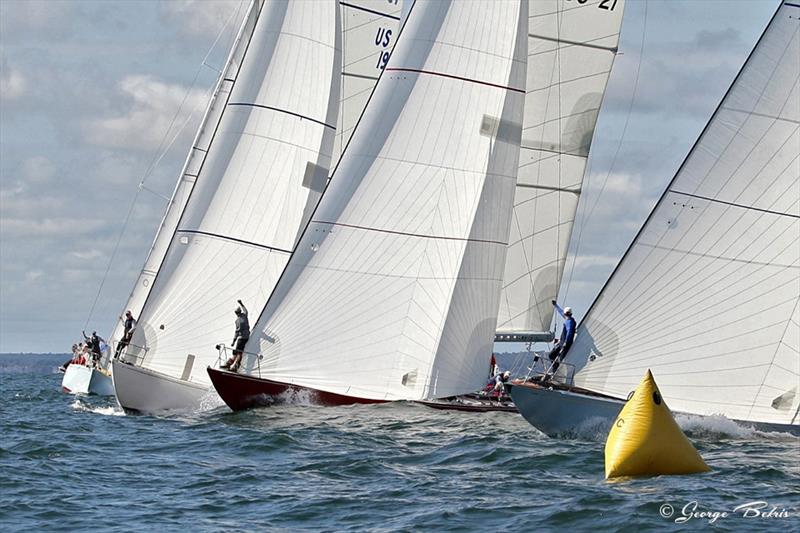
x: 111, y: 410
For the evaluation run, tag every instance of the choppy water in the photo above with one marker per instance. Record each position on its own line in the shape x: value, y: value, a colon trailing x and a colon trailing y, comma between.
x: 77, y: 463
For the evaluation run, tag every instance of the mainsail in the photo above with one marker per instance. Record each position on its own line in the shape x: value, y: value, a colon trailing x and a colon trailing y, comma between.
x: 193, y: 163
x: 369, y: 30
x: 392, y: 292
x: 233, y: 226
x: 708, y: 294
x: 571, y: 48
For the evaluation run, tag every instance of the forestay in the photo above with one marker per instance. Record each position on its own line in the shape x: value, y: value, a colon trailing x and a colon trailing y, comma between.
x: 707, y: 295
x: 266, y: 165
x: 571, y: 48
x: 393, y: 290
x: 193, y: 163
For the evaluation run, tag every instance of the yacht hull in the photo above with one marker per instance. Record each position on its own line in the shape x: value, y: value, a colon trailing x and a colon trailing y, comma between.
x: 80, y: 379
x: 146, y: 391
x: 242, y: 392
x: 563, y: 411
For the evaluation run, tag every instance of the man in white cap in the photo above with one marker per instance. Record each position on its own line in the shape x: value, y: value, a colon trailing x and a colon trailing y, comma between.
x: 564, y: 343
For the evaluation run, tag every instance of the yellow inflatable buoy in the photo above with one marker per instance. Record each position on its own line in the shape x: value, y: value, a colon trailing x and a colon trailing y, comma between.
x: 645, y: 440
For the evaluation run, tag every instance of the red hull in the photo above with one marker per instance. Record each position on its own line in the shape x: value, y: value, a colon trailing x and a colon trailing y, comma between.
x: 242, y: 392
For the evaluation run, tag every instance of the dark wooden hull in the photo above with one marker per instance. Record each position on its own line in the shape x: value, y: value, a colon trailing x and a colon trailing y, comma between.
x: 471, y: 405
x: 240, y: 392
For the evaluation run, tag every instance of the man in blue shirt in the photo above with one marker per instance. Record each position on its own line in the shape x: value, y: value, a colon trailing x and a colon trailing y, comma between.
x: 564, y: 343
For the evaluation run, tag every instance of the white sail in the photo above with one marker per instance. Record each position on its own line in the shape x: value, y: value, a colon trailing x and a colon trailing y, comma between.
x: 194, y: 161
x: 265, y: 167
x: 571, y: 48
x: 393, y: 290
x: 369, y: 30
x: 707, y: 295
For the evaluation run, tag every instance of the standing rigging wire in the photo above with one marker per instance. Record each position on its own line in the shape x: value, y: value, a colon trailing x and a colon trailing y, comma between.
x: 159, y: 154
x: 587, y: 216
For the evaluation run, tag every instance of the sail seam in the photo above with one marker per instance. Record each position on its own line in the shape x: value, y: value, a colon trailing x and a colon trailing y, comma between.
x: 361, y: 76
x: 773, y: 117
x: 394, y: 232
x: 750, y: 207
x: 575, y: 43
x: 732, y: 259
x: 367, y: 10
x: 279, y: 110
x: 454, y: 77
x: 234, y: 239
x: 548, y: 188
x: 556, y: 152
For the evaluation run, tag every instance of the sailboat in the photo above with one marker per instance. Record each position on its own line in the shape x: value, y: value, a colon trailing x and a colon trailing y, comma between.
x: 707, y: 296
x: 393, y: 289
x: 295, y: 82
x: 571, y: 50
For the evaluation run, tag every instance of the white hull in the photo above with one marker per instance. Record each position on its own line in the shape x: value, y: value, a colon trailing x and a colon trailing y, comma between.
x: 79, y: 379
x: 142, y: 390
x: 561, y: 412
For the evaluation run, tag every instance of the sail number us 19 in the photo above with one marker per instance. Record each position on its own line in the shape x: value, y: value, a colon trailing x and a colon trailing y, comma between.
x: 608, y: 5
x: 383, y: 38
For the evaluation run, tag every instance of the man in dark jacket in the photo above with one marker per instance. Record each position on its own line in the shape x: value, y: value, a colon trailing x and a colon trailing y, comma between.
x: 129, y: 324
x: 94, y: 346
x: 240, y: 338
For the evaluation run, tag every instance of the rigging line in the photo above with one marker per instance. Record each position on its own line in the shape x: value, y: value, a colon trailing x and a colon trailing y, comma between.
x: 749, y: 207
x: 159, y: 154
x: 587, y: 216
x: 255, y: 14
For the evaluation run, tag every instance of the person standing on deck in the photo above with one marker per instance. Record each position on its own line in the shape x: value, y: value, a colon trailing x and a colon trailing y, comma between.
x: 93, y: 343
x: 129, y: 324
x: 564, y: 343
x: 240, y: 338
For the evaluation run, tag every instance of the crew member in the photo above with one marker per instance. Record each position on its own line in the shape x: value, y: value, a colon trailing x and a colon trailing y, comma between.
x: 239, y: 339
x: 564, y: 343
x: 129, y: 324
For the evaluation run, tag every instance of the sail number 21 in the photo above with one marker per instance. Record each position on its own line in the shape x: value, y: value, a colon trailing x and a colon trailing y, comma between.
x: 608, y: 5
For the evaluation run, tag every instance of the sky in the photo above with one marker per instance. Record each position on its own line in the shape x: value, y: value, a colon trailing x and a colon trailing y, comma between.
x: 91, y: 94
